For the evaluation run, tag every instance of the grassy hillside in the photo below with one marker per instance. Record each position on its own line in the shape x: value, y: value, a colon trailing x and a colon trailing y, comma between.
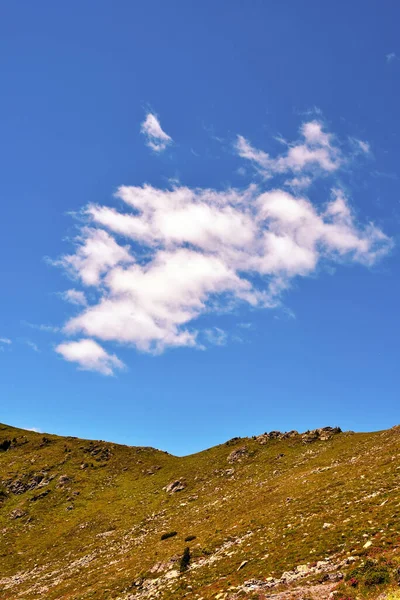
x: 82, y: 519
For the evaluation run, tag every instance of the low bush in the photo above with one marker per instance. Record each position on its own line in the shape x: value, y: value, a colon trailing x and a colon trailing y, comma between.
x: 169, y: 534
x: 190, y: 538
x: 4, y: 445
x: 370, y: 573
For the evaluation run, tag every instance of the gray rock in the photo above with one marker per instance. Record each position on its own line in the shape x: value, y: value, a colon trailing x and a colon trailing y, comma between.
x: 175, y: 486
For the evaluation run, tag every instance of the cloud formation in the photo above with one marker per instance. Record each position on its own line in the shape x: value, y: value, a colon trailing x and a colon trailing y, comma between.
x: 314, y: 154
x: 4, y: 340
x: 156, y: 138
x: 169, y: 256
x: 90, y: 356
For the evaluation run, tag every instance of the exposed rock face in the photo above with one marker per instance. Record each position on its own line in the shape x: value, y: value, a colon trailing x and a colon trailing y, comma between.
x: 23, y: 484
x: 238, y: 454
x: 175, y: 486
x: 323, y: 434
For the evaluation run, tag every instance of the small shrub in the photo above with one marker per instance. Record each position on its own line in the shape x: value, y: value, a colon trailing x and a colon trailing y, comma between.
x: 190, y: 538
x: 185, y: 560
x: 377, y: 576
x: 4, y: 445
x: 370, y: 573
x: 169, y: 534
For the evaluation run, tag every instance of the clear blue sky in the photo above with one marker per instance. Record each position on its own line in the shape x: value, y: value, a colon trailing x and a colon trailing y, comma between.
x: 98, y: 95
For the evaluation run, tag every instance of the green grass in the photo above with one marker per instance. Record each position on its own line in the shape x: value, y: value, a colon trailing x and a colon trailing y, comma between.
x: 97, y: 532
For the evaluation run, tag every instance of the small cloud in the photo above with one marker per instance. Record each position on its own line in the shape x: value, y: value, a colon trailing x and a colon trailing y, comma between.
x: 392, y: 56
x: 245, y: 325
x: 360, y: 145
x: 216, y: 336
x: 5, y: 341
x: 75, y: 297
x: 299, y: 183
x: 35, y: 429
x: 90, y: 356
x: 156, y: 138
x: 32, y: 345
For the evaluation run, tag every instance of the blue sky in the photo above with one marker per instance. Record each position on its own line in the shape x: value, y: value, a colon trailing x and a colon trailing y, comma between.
x: 200, y: 218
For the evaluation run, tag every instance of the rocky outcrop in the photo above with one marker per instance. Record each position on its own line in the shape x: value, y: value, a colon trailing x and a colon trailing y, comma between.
x: 330, y: 572
x: 322, y: 434
x: 175, y: 486
x: 238, y: 455
x: 26, y: 483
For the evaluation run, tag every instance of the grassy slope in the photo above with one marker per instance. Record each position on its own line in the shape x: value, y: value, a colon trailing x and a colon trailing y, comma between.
x: 271, y: 512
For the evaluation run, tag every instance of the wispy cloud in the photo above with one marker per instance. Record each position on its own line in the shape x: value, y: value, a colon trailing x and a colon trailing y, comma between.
x: 313, y: 154
x: 156, y: 138
x: 32, y: 345
x: 392, y: 56
x: 76, y: 297
x: 216, y: 336
x: 90, y: 356
x: 171, y: 255
x: 360, y: 145
x: 41, y: 327
x: 5, y: 340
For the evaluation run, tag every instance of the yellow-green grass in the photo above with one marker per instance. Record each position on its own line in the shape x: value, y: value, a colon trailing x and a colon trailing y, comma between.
x: 105, y: 542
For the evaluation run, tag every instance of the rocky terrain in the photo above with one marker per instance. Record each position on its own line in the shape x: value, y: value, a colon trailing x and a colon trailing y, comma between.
x: 280, y: 515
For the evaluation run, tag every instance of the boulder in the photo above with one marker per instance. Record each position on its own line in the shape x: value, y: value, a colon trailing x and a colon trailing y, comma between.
x: 175, y: 486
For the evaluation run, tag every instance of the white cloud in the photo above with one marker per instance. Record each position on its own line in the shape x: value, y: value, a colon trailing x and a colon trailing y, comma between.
x: 315, y: 153
x: 169, y: 256
x: 76, y: 297
x: 4, y: 340
x: 156, y: 138
x: 391, y: 57
x: 35, y: 429
x: 90, y: 356
x: 96, y: 253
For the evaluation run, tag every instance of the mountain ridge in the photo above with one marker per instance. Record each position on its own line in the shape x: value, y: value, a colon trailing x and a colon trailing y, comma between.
x: 86, y: 519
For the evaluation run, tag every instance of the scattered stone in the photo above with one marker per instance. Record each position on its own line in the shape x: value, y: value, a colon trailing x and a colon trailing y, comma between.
x: 17, y: 514
x: 302, y: 569
x: 172, y: 574
x: 151, y: 470
x: 63, y: 480
x: 367, y: 544
x: 242, y: 564
x: 326, y: 525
